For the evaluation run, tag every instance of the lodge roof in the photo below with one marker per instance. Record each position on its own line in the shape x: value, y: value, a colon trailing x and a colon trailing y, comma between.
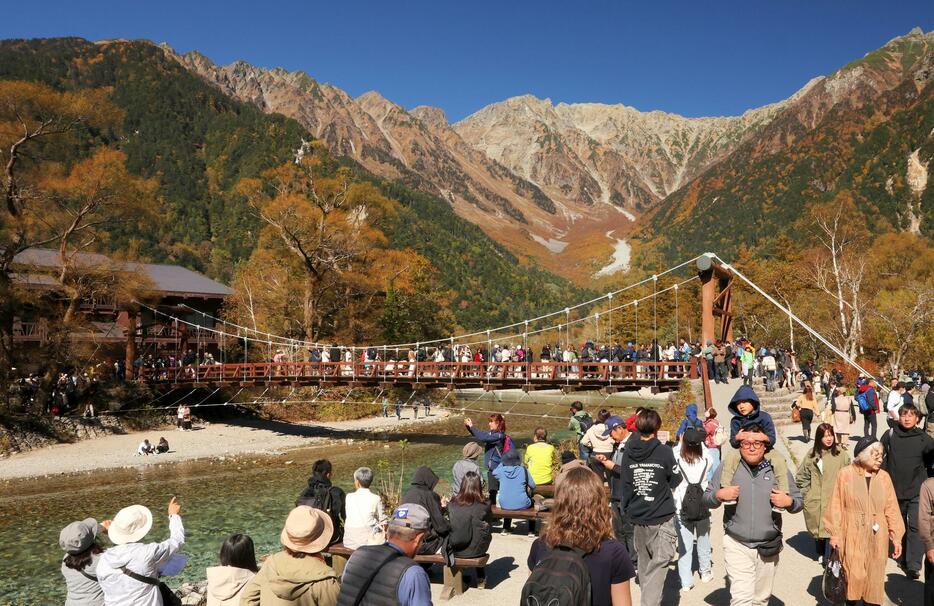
x: 167, y: 279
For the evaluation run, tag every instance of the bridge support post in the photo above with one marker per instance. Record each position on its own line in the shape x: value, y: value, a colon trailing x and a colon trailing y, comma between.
x: 716, y: 301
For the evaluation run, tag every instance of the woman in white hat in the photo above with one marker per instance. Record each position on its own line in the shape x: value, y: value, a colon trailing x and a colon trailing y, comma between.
x: 79, y: 567
x: 297, y: 575
x: 129, y: 572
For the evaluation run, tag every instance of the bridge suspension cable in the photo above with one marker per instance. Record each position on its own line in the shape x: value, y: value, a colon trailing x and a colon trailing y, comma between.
x: 282, y: 341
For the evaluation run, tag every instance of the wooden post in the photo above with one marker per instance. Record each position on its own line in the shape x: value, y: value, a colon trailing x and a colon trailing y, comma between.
x: 708, y: 294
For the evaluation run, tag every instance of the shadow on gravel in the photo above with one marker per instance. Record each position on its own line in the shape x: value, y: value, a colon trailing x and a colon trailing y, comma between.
x: 902, y: 590
x: 318, y: 431
x: 803, y: 543
x: 498, y: 571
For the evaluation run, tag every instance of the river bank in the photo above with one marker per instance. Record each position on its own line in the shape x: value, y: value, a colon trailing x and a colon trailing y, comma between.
x: 207, y: 440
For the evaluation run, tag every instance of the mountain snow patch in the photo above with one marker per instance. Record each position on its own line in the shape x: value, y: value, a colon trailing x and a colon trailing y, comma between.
x: 555, y: 246
x: 621, y: 256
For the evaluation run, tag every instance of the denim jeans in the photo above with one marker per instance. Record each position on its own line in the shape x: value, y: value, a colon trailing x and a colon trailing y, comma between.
x: 686, y: 531
x: 714, y: 461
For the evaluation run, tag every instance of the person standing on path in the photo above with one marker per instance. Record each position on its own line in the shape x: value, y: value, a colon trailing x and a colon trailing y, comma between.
x: 752, y: 537
x: 908, y: 454
x: 807, y: 408
x: 618, y: 430
x: 862, y: 518
x: 711, y: 425
x: 580, y: 422
x: 692, y: 516
x: 868, y: 394
x: 815, y: 480
x: 926, y: 530
x: 649, y: 474
x: 844, y: 415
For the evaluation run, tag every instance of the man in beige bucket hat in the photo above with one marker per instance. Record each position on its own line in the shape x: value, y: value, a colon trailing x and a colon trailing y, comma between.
x: 297, y: 575
x: 128, y: 572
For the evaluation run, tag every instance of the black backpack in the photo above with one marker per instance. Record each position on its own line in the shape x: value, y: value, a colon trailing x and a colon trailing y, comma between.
x: 692, y: 505
x: 586, y: 422
x: 559, y: 579
x: 319, y: 499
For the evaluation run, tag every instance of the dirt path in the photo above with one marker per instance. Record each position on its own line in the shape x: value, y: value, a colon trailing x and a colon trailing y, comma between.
x: 797, y: 580
x: 205, y: 441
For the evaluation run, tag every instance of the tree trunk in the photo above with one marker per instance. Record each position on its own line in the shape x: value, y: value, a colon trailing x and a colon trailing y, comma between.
x: 130, y: 357
x: 7, y: 357
x: 309, y: 307
x: 58, y: 342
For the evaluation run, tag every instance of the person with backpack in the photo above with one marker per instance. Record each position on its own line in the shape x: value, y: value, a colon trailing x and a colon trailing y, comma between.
x: 577, y: 561
x: 580, y: 422
x: 496, y: 442
x: 387, y: 574
x: 815, y: 480
x: 867, y: 400
x: 690, y: 421
x: 422, y: 492
x: 322, y: 494
x: 715, y: 438
x: 649, y: 474
x: 599, y: 444
x: 692, y: 516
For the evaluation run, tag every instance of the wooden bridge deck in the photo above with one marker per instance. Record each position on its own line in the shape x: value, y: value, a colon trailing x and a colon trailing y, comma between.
x: 612, y: 376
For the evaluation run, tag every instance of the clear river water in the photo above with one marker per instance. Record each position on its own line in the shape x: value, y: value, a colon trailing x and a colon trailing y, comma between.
x: 250, y: 494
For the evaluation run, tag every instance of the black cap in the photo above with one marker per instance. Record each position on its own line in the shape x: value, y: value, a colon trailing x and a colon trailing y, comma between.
x: 863, y: 443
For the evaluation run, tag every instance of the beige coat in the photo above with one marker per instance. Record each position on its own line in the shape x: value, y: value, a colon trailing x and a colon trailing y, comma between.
x: 225, y: 584
x: 841, y: 415
x: 287, y: 581
x: 849, y: 519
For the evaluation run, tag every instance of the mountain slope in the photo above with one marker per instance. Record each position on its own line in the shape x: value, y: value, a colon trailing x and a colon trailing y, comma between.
x: 866, y: 131
x: 536, y: 178
x: 199, y: 142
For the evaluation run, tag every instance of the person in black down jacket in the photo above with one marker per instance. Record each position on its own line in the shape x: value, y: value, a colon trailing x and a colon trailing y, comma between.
x: 422, y: 493
x: 321, y: 494
x: 649, y: 474
x: 908, y: 453
x: 470, y: 519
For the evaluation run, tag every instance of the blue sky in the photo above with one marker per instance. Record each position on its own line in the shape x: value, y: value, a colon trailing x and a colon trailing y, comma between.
x: 718, y: 57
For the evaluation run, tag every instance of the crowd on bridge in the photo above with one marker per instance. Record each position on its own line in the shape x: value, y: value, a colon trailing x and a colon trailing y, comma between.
x: 621, y: 508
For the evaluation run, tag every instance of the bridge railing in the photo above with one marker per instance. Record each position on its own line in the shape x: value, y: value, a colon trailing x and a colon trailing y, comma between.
x: 511, y: 373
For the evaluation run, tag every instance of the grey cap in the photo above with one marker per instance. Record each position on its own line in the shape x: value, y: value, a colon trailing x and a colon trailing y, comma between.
x: 410, y: 515
x: 78, y: 536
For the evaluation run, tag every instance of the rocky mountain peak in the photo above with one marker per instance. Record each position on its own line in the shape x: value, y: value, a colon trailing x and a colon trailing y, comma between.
x: 432, y: 116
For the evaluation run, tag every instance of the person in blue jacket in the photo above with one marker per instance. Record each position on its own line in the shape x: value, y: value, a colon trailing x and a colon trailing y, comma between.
x: 495, y: 443
x: 515, y: 482
x: 690, y: 420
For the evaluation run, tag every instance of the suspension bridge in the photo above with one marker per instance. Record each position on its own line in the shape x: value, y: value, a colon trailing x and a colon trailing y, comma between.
x: 411, y: 366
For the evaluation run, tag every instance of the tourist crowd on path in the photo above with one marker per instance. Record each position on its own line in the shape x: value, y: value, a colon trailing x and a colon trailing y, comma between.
x: 626, y: 509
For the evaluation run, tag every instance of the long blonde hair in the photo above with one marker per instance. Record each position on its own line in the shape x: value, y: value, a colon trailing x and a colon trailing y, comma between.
x: 581, y: 514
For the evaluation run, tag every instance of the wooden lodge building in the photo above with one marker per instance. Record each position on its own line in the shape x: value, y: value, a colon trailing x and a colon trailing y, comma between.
x: 123, y: 328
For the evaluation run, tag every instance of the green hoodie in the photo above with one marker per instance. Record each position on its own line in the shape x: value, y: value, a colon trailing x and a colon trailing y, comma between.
x: 287, y: 581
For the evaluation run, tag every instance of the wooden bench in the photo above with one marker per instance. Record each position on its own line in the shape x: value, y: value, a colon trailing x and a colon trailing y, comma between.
x: 532, y: 515
x: 548, y: 490
x: 453, y: 576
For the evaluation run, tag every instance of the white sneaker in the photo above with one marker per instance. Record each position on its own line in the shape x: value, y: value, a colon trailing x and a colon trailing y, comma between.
x: 706, y: 577
x: 687, y: 589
